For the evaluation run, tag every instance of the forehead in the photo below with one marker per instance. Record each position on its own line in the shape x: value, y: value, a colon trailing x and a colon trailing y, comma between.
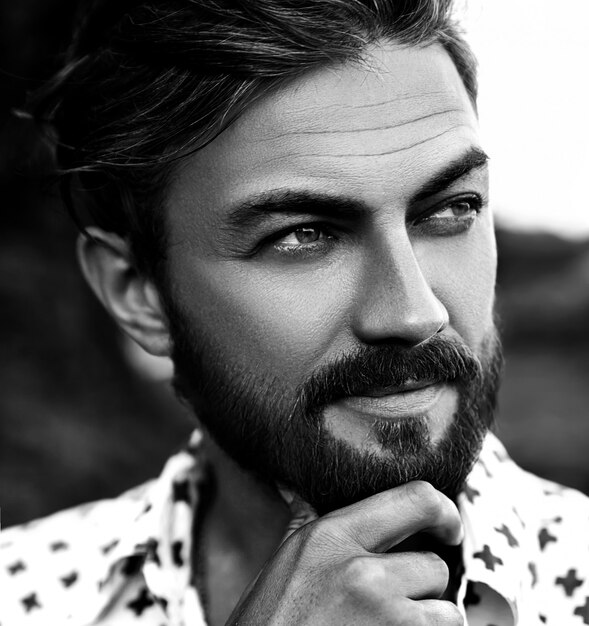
x: 367, y: 129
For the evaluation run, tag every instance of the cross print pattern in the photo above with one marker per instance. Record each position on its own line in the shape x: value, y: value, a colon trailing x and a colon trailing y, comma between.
x: 570, y: 582
x: 69, y: 579
x: 30, y: 602
x: 511, y: 540
x: 519, y: 543
x: 471, y: 493
x: 141, y: 602
x: 544, y: 537
x: 583, y: 611
x: 16, y: 567
x: 488, y: 558
x: 136, y: 559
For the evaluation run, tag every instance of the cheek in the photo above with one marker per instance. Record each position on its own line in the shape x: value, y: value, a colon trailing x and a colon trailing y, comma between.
x: 462, y: 274
x: 271, y: 322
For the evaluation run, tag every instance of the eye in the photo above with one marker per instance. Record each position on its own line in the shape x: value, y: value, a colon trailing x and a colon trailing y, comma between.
x: 303, y: 235
x: 309, y: 238
x: 451, y: 217
x: 458, y: 208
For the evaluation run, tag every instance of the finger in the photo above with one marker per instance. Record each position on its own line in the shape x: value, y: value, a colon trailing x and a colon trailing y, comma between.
x: 416, y: 575
x: 413, y: 575
x: 386, y: 519
x: 439, y: 613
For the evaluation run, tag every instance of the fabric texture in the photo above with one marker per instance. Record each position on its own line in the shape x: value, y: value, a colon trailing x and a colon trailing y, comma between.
x: 126, y: 561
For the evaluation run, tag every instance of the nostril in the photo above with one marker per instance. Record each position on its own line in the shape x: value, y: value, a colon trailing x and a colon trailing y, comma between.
x: 408, y: 321
x: 441, y: 326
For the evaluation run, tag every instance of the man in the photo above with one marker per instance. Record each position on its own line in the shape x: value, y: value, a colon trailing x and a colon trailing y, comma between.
x: 291, y: 200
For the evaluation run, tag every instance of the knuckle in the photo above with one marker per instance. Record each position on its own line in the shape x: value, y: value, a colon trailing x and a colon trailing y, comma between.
x: 410, y: 615
x: 321, y: 531
x: 419, y: 620
x: 321, y: 537
x: 454, y: 617
x: 448, y: 614
x: 362, y: 577
x: 424, y: 497
x: 312, y: 531
x: 436, y: 565
x: 440, y: 612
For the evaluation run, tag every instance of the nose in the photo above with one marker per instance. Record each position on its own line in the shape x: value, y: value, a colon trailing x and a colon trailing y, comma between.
x: 396, y: 302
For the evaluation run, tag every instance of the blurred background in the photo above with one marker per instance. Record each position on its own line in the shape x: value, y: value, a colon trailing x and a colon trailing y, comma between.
x: 81, y: 414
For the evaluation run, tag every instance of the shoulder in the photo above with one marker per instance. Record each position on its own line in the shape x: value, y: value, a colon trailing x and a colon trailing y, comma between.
x: 535, y: 498
x: 558, y: 517
x: 558, y: 514
x: 545, y: 544
x: 545, y: 508
x: 60, y: 561
x: 556, y: 522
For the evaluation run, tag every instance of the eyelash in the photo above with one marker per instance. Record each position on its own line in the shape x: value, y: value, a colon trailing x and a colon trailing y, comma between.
x: 451, y: 226
x: 428, y: 222
x: 303, y: 249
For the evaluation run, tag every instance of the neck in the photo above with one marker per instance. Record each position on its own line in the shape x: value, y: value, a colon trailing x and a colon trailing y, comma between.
x: 242, y: 528
x: 249, y: 512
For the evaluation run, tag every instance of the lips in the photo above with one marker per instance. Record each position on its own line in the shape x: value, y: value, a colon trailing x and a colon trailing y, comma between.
x: 412, y: 399
x: 408, y: 386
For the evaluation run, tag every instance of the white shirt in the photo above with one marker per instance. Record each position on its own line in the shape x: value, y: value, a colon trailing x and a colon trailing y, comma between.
x: 126, y: 561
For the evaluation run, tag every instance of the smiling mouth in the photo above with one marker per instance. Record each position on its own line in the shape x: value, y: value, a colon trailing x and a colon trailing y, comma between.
x: 412, y: 399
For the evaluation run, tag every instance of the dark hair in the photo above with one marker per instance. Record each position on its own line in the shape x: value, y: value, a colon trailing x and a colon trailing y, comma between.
x: 146, y: 82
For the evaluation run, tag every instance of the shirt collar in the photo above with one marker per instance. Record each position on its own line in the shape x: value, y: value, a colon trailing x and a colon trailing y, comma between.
x: 158, y: 541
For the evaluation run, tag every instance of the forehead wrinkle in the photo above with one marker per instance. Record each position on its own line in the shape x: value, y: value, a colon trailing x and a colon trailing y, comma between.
x: 313, y: 117
x: 401, y: 97
x: 366, y: 154
x: 295, y: 133
x: 239, y: 159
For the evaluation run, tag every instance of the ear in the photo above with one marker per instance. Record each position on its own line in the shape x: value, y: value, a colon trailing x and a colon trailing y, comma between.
x: 132, y: 299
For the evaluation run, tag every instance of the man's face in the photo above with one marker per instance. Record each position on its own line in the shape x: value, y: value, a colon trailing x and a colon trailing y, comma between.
x: 331, y: 259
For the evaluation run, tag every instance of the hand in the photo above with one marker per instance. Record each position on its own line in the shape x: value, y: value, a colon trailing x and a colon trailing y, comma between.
x: 335, y: 570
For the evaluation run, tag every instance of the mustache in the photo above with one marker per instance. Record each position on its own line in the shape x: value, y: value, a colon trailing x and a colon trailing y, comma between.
x: 439, y: 360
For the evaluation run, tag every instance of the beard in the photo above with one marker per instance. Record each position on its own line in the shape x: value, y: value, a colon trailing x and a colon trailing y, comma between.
x: 279, y: 435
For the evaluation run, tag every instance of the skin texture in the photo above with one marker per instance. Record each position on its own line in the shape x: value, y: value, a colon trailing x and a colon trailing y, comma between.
x: 374, y: 137
x: 399, y: 272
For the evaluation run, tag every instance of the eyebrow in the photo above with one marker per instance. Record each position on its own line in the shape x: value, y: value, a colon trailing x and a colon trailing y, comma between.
x: 252, y: 211
x: 472, y: 160
x: 293, y: 202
